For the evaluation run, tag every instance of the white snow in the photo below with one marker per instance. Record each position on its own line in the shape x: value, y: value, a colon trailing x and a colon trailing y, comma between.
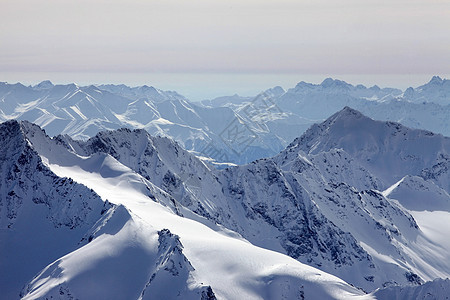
x: 327, y: 179
x: 233, y: 267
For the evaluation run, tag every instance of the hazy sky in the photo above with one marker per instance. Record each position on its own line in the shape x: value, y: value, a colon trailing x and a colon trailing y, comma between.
x: 108, y: 40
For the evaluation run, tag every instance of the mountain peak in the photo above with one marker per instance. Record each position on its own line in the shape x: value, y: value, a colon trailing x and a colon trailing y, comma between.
x: 275, y: 91
x: 347, y: 112
x: 43, y: 85
x: 409, y: 92
x: 330, y: 83
x: 381, y: 146
x: 148, y: 88
x: 10, y: 128
x: 436, y: 80
x: 303, y: 84
x: 346, y: 118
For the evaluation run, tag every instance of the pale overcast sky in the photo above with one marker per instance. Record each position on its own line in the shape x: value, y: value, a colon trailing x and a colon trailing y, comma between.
x: 310, y: 38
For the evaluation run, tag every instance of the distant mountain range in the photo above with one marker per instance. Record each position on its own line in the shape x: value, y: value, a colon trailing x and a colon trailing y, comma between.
x: 227, y: 129
x: 365, y: 201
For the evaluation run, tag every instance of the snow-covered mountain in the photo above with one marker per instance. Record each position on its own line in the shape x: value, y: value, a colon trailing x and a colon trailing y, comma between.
x: 436, y: 91
x: 88, y: 227
x: 81, y: 112
x: 390, y: 150
x: 37, y: 209
x: 230, y: 129
x: 336, y: 189
x: 289, y: 113
x: 295, y: 177
x: 425, y: 107
x: 329, y: 200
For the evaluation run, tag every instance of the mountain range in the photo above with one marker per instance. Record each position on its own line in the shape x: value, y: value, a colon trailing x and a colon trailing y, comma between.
x: 226, y: 130
x: 351, y: 208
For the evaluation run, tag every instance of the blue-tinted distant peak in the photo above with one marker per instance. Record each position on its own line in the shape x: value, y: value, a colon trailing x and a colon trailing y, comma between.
x: 436, y: 80
x: 335, y: 83
x: 303, y: 84
x: 46, y: 84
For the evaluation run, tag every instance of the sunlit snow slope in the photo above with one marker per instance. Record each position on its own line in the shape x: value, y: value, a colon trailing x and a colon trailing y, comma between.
x: 140, y: 247
x: 364, y: 200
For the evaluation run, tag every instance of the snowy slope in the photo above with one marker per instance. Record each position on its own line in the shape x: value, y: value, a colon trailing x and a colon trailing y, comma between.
x: 144, y: 239
x: 191, y: 183
x: 37, y: 209
x: 329, y: 180
x: 385, y: 152
x: 273, y: 202
x: 203, y: 247
x: 319, y: 201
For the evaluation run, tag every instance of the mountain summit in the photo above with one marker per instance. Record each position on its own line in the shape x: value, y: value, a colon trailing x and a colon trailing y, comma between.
x: 389, y: 149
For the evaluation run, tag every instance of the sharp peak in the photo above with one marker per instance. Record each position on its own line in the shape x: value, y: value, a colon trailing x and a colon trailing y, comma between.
x: 147, y: 87
x: 19, y: 123
x: 91, y: 87
x: 13, y: 124
x: 436, y: 79
x: 275, y: 88
x: 347, y: 111
x: 17, y: 84
x: 20, y: 128
x: 44, y: 84
x: 275, y: 91
x: 330, y: 81
x: 303, y: 84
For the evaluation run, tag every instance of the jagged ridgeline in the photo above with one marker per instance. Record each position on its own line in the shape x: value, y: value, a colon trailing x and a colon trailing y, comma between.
x: 227, y: 129
x: 353, y: 197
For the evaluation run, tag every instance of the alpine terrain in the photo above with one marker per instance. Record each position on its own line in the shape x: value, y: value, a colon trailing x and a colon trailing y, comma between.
x: 352, y: 208
x: 226, y: 130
